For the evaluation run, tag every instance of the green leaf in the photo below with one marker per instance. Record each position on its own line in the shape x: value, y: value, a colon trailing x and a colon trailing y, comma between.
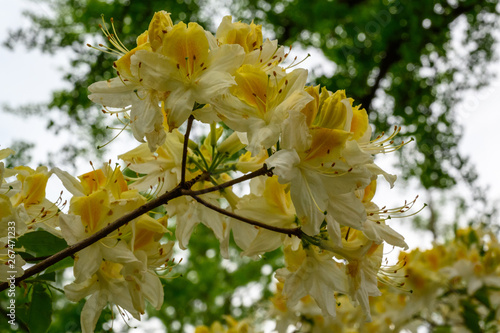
x: 42, y: 243
x: 442, y: 329
x: 470, y: 315
x: 66, y: 262
x: 44, y: 277
x: 482, y: 296
x: 40, y: 310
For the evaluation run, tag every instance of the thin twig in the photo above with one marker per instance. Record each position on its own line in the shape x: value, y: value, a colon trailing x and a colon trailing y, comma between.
x: 287, y: 231
x: 184, y: 149
x: 71, y: 250
x: 260, y: 172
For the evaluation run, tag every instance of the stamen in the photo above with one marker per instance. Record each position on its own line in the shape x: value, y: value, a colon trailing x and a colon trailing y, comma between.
x: 107, y: 143
x: 113, y: 38
x: 293, y: 62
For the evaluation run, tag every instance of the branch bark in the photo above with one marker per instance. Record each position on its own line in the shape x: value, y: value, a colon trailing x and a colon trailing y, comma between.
x: 184, y: 149
x: 287, y: 231
x: 260, y: 172
x: 181, y: 189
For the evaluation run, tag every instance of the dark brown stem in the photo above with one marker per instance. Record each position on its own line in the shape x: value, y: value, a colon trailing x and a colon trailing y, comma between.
x: 71, y: 250
x: 260, y: 172
x: 287, y: 231
x: 184, y: 149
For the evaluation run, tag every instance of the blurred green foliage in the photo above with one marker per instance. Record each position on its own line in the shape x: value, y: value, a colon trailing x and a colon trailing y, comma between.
x: 396, y: 58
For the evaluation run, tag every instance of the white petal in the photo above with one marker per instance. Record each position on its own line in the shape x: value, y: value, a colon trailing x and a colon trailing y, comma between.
x: 285, y: 164
x: 376, y: 170
x: 113, y: 93
x: 72, y: 184
x: 180, y: 104
x: 153, y: 290
x: 226, y: 58
x: 145, y: 116
x: 91, y: 311
x: 89, y: 261
x: 71, y: 228
x: 347, y: 210
x: 295, y: 133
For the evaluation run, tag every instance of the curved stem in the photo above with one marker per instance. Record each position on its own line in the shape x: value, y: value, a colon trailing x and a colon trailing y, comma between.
x: 260, y: 172
x: 184, y: 149
x: 287, y: 231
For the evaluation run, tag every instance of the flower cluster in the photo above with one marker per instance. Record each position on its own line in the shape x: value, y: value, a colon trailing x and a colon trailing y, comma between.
x: 23, y: 208
x: 454, y: 286
x: 307, y: 151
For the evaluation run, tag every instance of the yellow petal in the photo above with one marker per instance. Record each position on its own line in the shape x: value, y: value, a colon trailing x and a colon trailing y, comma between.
x: 142, y: 38
x: 122, y: 65
x: 275, y: 194
x: 187, y: 46
x: 326, y: 143
x: 116, y: 183
x: 92, y: 181
x: 33, y: 191
x: 91, y: 209
x: 311, y: 109
x: 252, y: 86
x: 370, y: 191
x: 332, y: 112
x: 249, y: 36
x: 158, y: 27
x: 359, y: 123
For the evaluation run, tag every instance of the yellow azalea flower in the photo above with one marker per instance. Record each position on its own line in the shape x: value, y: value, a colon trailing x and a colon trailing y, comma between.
x: 161, y: 169
x: 259, y: 103
x: 188, y: 69
x: 362, y: 276
x: 375, y: 227
x: 322, y: 183
x: 275, y: 208
x: 248, y: 163
x: 128, y: 94
x: 107, y: 285
x: 317, y: 273
x: 99, y: 198
x: 249, y: 36
x: 142, y: 281
x: 189, y: 213
x: 29, y: 207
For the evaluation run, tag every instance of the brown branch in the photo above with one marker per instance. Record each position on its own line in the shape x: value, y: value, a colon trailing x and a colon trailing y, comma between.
x: 392, y: 56
x: 71, y: 250
x: 184, y: 149
x: 260, y: 172
x: 287, y: 231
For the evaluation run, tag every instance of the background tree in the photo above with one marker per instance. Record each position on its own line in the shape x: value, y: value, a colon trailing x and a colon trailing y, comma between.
x: 394, y: 57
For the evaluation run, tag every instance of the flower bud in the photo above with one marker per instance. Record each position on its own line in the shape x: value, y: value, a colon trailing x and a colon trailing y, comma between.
x: 231, y: 145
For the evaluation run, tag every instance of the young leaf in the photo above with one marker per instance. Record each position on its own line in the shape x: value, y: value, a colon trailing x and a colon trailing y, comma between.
x: 40, y: 310
x: 42, y: 243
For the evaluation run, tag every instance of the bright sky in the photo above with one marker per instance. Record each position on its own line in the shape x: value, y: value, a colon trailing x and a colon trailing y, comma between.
x: 29, y: 77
